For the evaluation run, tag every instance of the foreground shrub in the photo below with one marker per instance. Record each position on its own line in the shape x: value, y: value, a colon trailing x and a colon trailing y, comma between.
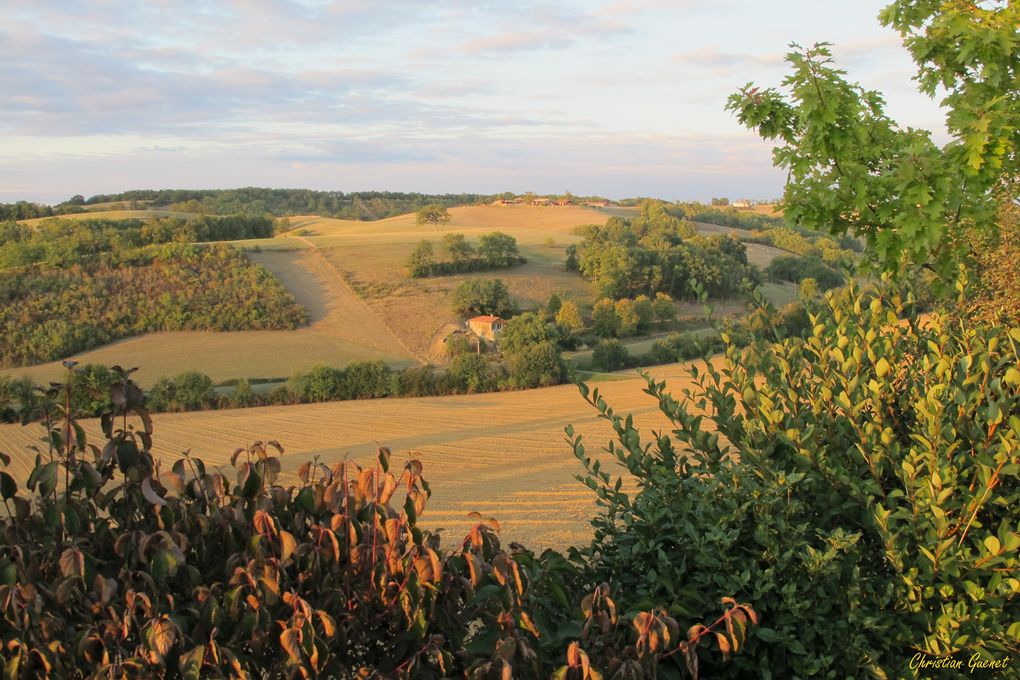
x: 114, y: 565
x: 857, y: 486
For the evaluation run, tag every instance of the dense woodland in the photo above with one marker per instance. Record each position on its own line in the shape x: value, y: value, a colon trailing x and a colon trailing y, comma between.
x: 658, y: 252
x: 62, y: 243
x: 142, y: 275
x: 50, y: 313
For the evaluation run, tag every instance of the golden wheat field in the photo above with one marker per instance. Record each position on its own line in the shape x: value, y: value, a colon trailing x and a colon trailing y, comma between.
x: 341, y: 329
x: 528, y: 224
x: 109, y: 215
x: 503, y: 454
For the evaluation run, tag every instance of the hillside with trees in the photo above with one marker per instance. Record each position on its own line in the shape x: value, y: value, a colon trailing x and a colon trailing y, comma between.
x: 658, y: 252
x: 836, y: 496
x: 144, y: 276
x: 51, y: 313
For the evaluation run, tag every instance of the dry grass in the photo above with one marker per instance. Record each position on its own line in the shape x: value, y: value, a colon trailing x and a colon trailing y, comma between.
x: 418, y: 309
x: 528, y: 224
x: 371, y: 257
x: 761, y: 255
x: 503, y: 455
x: 342, y: 329
x: 769, y: 209
x: 110, y: 215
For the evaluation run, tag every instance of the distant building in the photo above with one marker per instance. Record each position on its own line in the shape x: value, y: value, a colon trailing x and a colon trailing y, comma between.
x: 540, y: 201
x: 597, y: 204
x: 741, y: 204
x: 562, y: 201
x: 486, y: 326
x: 507, y: 201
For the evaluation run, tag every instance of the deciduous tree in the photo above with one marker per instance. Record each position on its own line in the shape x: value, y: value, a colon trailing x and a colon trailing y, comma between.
x: 434, y: 214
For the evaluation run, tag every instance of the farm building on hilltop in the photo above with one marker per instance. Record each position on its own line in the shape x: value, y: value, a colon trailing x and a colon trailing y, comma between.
x: 486, y: 326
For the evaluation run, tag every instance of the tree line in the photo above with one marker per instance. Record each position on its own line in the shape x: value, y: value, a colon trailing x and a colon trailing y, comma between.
x: 356, y: 205
x: 63, y: 243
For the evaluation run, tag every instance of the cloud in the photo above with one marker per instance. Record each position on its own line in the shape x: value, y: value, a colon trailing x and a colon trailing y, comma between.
x: 541, y: 26
x: 711, y: 61
x: 104, y: 95
x: 682, y: 166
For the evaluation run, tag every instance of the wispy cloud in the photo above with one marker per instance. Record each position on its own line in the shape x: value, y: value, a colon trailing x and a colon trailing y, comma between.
x: 449, y: 95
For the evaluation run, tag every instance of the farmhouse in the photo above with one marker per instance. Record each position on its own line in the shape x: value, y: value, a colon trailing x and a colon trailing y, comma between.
x: 486, y: 326
x: 540, y: 201
x: 597, y: 204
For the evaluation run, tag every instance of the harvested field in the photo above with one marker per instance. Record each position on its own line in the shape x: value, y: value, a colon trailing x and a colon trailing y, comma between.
x: 769, y: 209
x: 342, y: 329
x: 709, y: 229
x: 528, y: 224
x: 761, y: 256
x: 416, y: 310
x: 503, y: 454
x: 110, y: 215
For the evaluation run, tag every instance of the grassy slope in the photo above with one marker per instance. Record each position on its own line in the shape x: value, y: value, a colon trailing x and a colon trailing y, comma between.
x: 371, y: 255
x: 501, y: 454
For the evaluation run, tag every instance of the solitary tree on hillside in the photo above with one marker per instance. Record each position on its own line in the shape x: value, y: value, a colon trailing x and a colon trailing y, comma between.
x: 434, y: 214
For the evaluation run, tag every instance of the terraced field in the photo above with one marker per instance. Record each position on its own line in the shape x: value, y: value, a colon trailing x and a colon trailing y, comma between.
x: 503, y: 455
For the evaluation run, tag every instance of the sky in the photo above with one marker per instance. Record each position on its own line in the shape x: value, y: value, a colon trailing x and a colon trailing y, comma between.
x: 616, y: 98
